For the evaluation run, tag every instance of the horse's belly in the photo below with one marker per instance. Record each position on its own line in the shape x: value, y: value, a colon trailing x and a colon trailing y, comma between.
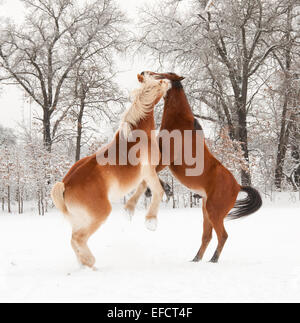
x: 120, y: 186
x: 193, y: 183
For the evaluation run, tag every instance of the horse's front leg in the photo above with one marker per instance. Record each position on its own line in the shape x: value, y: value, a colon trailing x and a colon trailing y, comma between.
x: 153, y: 182
x: 132, y: 202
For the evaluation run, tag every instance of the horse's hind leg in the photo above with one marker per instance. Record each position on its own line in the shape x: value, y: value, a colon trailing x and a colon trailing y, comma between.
x: 83, y: 226
x: 222, y: 237
x: 82, y: 251
x: 207, y: 234
x: 216, y: 214
x: 131, y: 204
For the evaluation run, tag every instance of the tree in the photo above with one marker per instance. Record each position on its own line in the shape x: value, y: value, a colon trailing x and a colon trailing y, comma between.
x: 42, y: 168
x: 289, y: 89
x: 56, y: 35
x: 7, y: 145
x: 223, y: 46
x: 95, y: 94
x: 7, y: 136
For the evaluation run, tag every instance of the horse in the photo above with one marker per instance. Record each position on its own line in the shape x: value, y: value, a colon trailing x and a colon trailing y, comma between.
x: 84, y: 196
x: 217, y: 186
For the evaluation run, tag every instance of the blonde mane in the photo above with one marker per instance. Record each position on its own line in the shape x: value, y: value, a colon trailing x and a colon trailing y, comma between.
x: 143, y: 103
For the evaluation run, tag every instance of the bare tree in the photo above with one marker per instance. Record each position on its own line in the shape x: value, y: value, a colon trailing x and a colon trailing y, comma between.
x: 96, y: 95
x: 56, y: 35
x: 7, y: 144
x: 223, y: 46
x: 287, y: 59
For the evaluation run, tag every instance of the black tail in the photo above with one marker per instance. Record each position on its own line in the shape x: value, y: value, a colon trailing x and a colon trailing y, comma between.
x: 247, y: 206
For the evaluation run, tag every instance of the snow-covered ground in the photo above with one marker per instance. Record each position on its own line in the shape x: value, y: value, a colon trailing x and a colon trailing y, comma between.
x: 260, y: 262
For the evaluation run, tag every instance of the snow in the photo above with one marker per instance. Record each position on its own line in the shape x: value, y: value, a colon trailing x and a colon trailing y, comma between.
x: 260, y: 262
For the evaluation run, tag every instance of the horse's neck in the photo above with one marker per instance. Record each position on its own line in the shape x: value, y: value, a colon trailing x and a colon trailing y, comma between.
x: 137, y: 120
x: 177, y: 106
x: 147, y: 123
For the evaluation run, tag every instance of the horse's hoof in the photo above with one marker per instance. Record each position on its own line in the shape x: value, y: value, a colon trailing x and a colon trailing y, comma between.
x: 87, y: 268
x: 151, y: 224
x: 196, y: 259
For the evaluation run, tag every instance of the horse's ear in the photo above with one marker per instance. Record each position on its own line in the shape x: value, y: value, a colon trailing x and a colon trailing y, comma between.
x: 140, y: 78
x: 181, y: 78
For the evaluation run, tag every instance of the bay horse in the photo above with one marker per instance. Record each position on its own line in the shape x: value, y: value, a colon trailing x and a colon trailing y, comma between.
x: 216, y: 184
x: 85, y: 193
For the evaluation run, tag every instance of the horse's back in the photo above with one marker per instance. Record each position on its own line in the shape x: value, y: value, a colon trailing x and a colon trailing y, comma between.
x: 75, y: 168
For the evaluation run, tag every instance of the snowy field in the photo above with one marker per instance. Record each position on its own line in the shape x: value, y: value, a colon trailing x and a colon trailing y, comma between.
x: 260, y: 262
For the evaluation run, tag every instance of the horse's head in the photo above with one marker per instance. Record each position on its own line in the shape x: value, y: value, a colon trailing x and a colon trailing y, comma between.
x: 160, y: 76
x: 152, y: 88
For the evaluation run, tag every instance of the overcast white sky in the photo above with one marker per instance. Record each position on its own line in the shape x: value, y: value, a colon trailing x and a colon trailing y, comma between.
x: 14, y: 110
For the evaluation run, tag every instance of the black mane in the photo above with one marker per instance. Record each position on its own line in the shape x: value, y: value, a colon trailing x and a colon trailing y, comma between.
x: 177, y: 85
x: 197, y: 125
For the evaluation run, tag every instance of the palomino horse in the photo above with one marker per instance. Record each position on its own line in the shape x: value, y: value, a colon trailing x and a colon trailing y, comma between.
x: 85, y: 193
x: 216, y: 184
